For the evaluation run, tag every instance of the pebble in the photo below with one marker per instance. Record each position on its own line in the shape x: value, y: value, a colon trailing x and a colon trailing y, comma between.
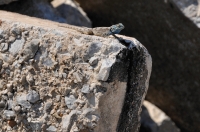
x: 9, y: 114
x: 105, y: 70
x: 12, y: 123
x: 85, y: 88
x: 15, y: 30
x: 93, y: 61
x: 21, y: 100
x: 32, y: 96
x: 48, y: 104
x: 51, y: 129
x: 17, y: 109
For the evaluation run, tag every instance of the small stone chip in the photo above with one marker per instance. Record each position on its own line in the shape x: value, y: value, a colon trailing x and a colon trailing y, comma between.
x: 70, y: 100
x: 32, y: 96
x: 3, y: 47
x: 12, y: 123
x: 93, y: 61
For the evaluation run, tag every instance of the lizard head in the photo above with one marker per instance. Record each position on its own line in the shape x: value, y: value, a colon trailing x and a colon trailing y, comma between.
x: 116, y: 28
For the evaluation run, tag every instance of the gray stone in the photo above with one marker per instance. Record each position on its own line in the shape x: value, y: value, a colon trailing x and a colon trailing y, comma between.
x: 17, y: 109
x: 3, y: 47
x: 16, y: 31
x: 51, y: 129
x: 85, y: 88
x: 30, y: 49
x: 10, y: 104
x: 21, y: 100
x: 105, y: 70
x: 32, y: 96
x: 78, y: 77
x: 16, y: 46
x: 70, y: 100
x: 48, y: 104
x: 9, y: 114
x: 67, y: 120
x: 36, y: 125
x: 93, y: 61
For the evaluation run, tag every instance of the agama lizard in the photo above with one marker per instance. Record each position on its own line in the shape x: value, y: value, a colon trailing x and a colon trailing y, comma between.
x: 98, y: 31
x: 101, y: 31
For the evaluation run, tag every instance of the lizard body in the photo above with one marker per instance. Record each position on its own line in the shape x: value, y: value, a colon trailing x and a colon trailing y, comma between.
x: 98, y: 31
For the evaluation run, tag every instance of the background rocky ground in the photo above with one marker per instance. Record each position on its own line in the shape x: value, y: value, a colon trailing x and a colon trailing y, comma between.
x: 168, y: 28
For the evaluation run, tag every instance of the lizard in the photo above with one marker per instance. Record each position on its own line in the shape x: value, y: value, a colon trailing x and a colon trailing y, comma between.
x: 101, y: 31
x: 98, y: 31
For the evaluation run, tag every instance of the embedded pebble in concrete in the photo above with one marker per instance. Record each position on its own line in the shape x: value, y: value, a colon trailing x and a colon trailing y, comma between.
x: 3, y: 47
x: 16, y: 46
x: 93, y: 61
x: 85, y: 88
x: 32, y: 96
x: 9, y: 114
x: 70, y: 100
x: 21, y: 100
x: 105, y: 69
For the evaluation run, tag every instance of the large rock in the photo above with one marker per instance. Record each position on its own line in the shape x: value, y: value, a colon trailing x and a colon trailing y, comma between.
x: 65, y: 11
x: 72, y: 12
x: 57, y: 86
x: 173, y: 41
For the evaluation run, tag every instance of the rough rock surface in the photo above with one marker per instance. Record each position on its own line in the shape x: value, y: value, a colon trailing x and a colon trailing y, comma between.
x: 173, y: 41
x: 51, y: 79
x: 155, y: 120
x: 3, y: 2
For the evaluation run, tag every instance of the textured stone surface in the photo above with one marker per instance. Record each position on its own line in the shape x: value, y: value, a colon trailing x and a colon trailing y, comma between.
x: 173, y: 41
x: 53, y: 86
x: 65, y: 11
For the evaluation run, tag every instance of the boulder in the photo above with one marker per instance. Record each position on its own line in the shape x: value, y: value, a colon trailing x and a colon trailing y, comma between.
x: 57, y: 88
